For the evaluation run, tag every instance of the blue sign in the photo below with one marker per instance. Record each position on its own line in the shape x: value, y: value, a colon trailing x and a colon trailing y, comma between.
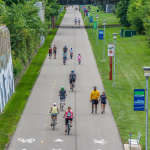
x: 101, y: 33
x: 84, y: 10
x: 91, y: 18
x: 139, y: 99
x: 81, y: 5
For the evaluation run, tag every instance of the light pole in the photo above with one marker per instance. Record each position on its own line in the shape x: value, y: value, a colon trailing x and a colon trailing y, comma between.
x: 97, y: 32
x: 93, y: 21
x: 114, y: 37
x: 104, y: 23
x: 146, y: 74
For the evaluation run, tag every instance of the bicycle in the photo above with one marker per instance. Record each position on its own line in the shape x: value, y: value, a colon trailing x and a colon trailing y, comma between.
x: 71, y: 56
x: 62, y: 104
x: 72, y: 86
x: 64, y: 60
x: 68, y: 127
x: 54, y: 122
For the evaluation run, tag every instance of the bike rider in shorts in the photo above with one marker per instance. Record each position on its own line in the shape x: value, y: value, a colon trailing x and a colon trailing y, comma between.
x: 62, y: 94
x: 78, y: 21
x: 71, y: 52
x: 64, y: 57
x: 94, y: 99
x: 69, y: 116
x: 54, y: 111
x: 75, y: 20
x: 72, y: 77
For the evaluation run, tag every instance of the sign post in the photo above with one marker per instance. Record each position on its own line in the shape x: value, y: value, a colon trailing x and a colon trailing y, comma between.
x: 139, y: 99
x: 110, y: 54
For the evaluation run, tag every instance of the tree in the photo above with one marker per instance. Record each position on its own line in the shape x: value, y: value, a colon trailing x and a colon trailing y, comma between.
x: 121, y: 12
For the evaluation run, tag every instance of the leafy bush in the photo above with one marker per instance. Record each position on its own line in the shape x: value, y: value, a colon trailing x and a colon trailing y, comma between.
x: 102, y: 7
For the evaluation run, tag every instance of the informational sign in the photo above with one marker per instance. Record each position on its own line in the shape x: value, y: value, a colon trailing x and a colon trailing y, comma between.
x: 139, y: 99
x: 97, y: 15
x: 94, y: 24
x: 84, y: 10
x: 91, y: 18
x: 101, y: 33
x: 88, y: 14
x: 83, y: 7
x: 110, y: 49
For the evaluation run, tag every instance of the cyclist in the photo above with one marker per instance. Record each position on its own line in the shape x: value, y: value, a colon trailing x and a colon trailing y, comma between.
x: 69, y: 116
x: 79, y: 58
x: 64, y: 57
x: 75, y: 20
x: 78, y: 21
x: 54, y: 111
x: 65, y: 49
x: 62, y: 94
x: 94, y: 99
x: 72, y: 77
x: 71, y: 52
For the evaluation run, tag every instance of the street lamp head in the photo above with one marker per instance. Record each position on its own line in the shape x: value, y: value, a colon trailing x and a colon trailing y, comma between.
x: 96, y: 17
x: 146, y: 71
x: 104, y: 22
x: 115, y: 36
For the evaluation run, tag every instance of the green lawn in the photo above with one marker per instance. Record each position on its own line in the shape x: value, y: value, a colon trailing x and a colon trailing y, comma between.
x: 61, y: 16
x: 131, y: 55
x: 110, y: 18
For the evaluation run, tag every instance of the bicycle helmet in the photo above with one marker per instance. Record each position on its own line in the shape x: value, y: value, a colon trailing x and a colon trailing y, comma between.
x: 62, y: 88
x: 54, y: 104
x: 72, y: 71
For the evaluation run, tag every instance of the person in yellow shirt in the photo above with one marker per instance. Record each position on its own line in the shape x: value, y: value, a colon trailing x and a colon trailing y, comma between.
x: 94, y: 99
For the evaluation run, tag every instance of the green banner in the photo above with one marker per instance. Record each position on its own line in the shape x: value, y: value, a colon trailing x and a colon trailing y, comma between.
x: 94, y: 24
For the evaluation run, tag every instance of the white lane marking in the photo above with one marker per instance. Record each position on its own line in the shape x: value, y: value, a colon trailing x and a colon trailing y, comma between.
x: 58, y: 140
x: 23, y: 149
x: 100, y: 142
x: 56, y: 149
x: 31, y: 140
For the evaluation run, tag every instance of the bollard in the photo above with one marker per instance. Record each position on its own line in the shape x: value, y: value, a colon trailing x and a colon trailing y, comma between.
x: 130, y: 134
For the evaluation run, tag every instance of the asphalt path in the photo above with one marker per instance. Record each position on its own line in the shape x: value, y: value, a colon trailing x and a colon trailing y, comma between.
x: 89, y: 131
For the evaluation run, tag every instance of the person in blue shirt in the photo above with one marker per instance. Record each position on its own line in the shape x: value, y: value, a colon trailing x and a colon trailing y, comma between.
x: 64, y: 58
x: 103, y: 98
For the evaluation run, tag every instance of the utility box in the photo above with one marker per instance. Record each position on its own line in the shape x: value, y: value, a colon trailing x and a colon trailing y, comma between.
x: 130, y: 33
x: 122, y: 32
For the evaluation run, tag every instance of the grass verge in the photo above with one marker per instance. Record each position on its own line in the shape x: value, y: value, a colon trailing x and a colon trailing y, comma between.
x: 131, y: 55
x: 110, y: 18
x: 14, y: 108
x: 61, y: 16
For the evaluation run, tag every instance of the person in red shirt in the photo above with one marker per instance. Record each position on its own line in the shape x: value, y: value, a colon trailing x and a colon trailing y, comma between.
x: 50, y: 52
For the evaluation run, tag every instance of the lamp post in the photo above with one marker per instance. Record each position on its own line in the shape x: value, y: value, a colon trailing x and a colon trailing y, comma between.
x: 114, y: 37
x: 93, y: 21
x: 97, y: 32
x: 146, y: 74
x: 104, y: 23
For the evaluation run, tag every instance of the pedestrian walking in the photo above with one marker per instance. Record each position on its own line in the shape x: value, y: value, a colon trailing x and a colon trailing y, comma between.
x: 50, y: 52
x: 94, y: 98
x: 54, y: 51
x: 103, y: 98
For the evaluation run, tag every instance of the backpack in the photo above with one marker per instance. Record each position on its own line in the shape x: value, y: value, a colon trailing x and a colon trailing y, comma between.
x: 64, y: 55
x: 72, y: 76
x: 69, y: 114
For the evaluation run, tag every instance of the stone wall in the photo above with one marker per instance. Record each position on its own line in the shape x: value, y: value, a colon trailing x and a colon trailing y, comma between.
x: 6, y: 68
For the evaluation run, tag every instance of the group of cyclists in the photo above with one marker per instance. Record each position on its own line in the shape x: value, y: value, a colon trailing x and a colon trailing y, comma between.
x: 62, y: 93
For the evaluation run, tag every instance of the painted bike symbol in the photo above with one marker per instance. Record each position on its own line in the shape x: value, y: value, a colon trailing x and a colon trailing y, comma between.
x: 100, y: 142
x: 31, y: 140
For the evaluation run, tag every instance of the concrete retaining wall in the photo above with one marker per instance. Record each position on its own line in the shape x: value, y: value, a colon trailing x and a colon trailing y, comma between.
x: 6, y: 68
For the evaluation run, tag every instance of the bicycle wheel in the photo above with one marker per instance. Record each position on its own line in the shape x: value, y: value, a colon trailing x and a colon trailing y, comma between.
x: 68, y: 131
x: 53, y: 123
x: 62, y: 107
x: 72, y: 87
x: 71, y: 56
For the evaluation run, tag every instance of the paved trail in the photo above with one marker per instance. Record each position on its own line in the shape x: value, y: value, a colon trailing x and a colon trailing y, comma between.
x: 35, y: 120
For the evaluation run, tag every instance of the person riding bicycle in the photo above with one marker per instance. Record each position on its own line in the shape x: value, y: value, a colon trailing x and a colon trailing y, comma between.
x: 68, y: 116
x: 65, y: 49
x: 79, y: 58
x: 62, y: 94
x: 54, y: 111
x: 64, y: 57
x: 71, y: 52
x: 72, y: 77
